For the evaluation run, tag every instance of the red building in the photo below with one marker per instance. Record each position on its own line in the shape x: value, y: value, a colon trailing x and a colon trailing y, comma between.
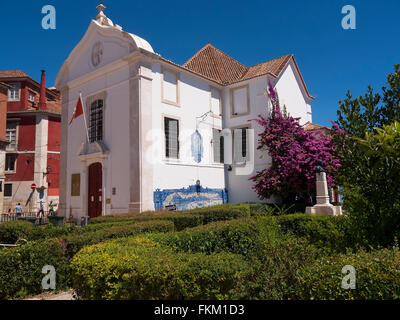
x: 33, y: 132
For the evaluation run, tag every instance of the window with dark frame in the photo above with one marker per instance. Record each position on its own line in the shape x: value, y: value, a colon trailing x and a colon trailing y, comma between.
x: 8, y: 190
x: 244, y: 142
x: 96, y: 121
x: 171, y: 128
x: 10, y: 162
x: 218, y: 146
x: 241, y: 143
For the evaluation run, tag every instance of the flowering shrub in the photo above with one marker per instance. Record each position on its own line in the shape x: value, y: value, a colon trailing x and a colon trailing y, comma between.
x: 294, y: 152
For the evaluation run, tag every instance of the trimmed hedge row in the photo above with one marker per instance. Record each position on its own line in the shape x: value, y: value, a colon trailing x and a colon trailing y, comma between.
x: 20, y: 268
x: 139, y: 268
x: 323, y: 231
x: 377, y: 276
x: 77, y: 241
x: 11, y: 232
x: 183, y: 219
x: 240, y: 236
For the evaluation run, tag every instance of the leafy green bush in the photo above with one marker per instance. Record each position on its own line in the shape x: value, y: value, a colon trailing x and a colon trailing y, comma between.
x: 184, y: 219
x: 76, y: 241
x: 238, y: 236
x: 21, y: 268
x: 10, y: 232
x: 275, y: 266
x: 377, y: 276
x: 324, y: 231
x: 139, y: 268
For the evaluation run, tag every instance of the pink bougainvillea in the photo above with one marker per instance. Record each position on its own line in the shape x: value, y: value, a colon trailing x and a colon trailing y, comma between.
x: 294, y: 153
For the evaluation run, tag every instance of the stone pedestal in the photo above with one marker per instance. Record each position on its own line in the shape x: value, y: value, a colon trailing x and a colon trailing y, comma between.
x: 323, y: 205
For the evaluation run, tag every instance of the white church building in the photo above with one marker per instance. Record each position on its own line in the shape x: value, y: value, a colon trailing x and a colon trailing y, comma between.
x: 153, y: 137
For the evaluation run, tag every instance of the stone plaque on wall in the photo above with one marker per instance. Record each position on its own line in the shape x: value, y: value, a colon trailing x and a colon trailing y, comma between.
x: 76, y: 185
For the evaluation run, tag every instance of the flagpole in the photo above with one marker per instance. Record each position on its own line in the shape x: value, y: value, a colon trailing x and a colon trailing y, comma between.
x: 84, y: 116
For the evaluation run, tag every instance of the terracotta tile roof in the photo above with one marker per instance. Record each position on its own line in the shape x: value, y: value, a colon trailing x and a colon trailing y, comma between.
x: 273, y: 67
x: 220, y: 67
x: 309, y: 126
x: 13, y: 74
x: 217, y: 65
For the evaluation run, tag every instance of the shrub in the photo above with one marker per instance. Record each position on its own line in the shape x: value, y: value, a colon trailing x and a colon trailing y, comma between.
x: 276, y: 264
x: 184, y: 219
x: 238, y: 236
x: 10, y: 232
x: 223, y: 212
x: 377, y: 276
x: 77, y: 241
x: 21, y: 268
x: 324, y: 231
x: 139, y: 268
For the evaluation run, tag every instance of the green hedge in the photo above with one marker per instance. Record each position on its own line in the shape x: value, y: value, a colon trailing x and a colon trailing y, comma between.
x: 324, y: 231
x: 10, y: 232
x: 183, y: 219
x: 21, y: 268
x: 77, y: 241
x: 377, y: 276
x: 139, y: 268
x: 240, y: 236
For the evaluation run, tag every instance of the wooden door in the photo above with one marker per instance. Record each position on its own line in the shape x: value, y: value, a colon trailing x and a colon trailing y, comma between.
x: 95, y: 190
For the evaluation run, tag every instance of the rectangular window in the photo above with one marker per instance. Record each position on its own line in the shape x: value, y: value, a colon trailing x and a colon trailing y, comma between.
x: 96, y: 121
x: 11, y: 160
x: 171, y: 127
x: 11, y: 136
x: 31, y: 97
x: 240, y: 101
x: 170, y: 88
x: 241, y: 145
x: 8, y: 190
x: 14, y: 92
x: 218, y: 146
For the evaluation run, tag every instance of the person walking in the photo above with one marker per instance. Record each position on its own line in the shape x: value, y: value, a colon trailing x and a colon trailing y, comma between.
x: 51, y: 208
x: 41, y: 210
x: 18, y: 210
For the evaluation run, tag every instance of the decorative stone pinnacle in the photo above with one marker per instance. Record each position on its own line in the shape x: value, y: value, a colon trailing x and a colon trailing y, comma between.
x: 101, y: 17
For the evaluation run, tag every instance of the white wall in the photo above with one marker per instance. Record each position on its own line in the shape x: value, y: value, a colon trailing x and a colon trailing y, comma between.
x: 194, y: 102
x: 291, y: 94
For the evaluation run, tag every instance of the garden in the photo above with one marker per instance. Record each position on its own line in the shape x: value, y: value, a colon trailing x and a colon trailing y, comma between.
x: 243, y: 251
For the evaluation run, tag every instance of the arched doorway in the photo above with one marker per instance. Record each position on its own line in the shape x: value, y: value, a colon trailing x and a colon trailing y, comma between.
x: 95, y: 205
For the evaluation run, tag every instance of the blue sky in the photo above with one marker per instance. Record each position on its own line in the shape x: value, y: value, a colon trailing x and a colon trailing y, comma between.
x: 332, y: 60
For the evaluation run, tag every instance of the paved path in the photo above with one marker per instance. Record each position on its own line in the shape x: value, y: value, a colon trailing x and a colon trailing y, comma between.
x: 68, y: 295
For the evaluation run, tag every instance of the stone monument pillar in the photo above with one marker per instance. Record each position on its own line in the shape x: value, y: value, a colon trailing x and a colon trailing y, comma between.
x: 323, y: 205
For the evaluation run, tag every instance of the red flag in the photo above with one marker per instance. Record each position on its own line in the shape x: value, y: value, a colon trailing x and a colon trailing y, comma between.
x: 78, y: 110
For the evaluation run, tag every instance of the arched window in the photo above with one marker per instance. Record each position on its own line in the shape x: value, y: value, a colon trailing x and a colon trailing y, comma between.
x: 96, y: 121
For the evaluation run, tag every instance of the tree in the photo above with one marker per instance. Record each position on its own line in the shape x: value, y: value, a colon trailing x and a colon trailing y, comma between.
x: 294, y: 153
x: 366, y: 136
